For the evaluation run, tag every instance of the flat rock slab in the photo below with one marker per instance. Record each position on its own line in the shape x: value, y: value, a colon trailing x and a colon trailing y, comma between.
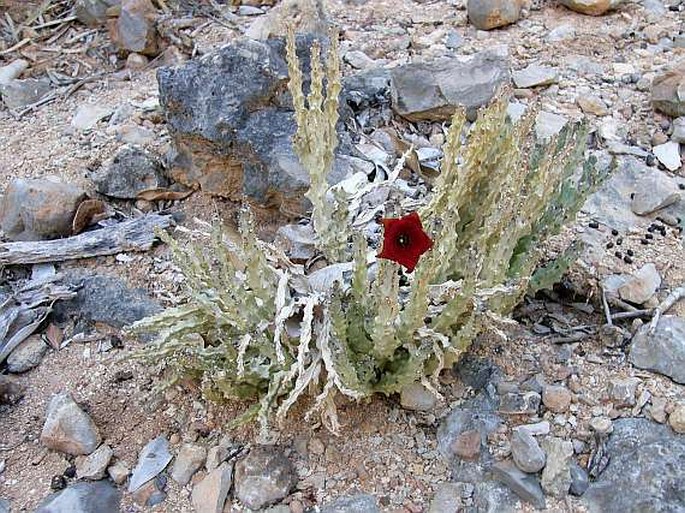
x: 83, y: 497
x: 645, y: 471
x: 431, y: 91
x: 152, y: 460
x: 662, y: 351
x: 361, y: 503
x: 535, y: 75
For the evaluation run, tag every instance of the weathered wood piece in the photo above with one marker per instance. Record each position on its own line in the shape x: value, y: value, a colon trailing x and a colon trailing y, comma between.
x: 133, y: 235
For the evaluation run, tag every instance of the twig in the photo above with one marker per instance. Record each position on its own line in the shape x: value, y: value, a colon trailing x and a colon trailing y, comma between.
x: 607, y: 309
x: 16, y: 47
x: 665, y: 305
x: 52, y: 23
x: 648, y: 312
x: 570, y: 339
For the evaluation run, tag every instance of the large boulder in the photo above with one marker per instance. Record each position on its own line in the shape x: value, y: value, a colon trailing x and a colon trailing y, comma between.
x: 431, y: 91
x: 231, y: 120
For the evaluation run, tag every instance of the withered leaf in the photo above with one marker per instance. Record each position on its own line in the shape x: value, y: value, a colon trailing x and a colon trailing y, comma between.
x: 161, y: 193
x: 89, y: 212
x: 54, y: 336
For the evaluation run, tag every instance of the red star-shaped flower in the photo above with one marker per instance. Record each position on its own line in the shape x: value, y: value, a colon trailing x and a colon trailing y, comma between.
x: 405, y: 241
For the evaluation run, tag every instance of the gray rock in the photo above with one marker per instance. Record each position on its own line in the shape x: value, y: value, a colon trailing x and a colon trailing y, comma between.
x: 556, y: 398
x: 579, y: 480
x: 20, y: 93
x: 547, y: 125
x: 68, y: 428
x: 38, y: 209
x: 641, y: 286
x: 668, y: 154
x: 612, y: 204
x: 622, y: 391
x: 4, y: 506
x: 219, y: 453
x: 361, y: 503
x: 526, y: 452
x: 131, y: 171
x: 94, y: 466
x: 93, y: 12
x: 88, y: 115
x: 668, y: 91
x: 490, y: 14
x: 263, y: 477
x: 447, y: 499
x: 135, y: 135
x: 189, y: 460
x: 249, y: 10
x: 677, y: 419
x: 135, y: 27
x: 307, y: 17
x: 10, y: 390
x: 83, y: 497
x: 662, y: 351
x: 432, y: 90
x: 556, y: 476
x: 644, y: 472
x: 27, y: 355
x: 231, y: 122
x: 476, y: 372
x: 520, y: 403
x: 298, y: 241
x: 678, y: 134
x: 105, y: 299
x: 535, y: 75
x: 591, y: 7
x: 526, y: 486
x: 453, y: 40
x: 359, y: 60
x: 209, y: 495
x: 539, y: 428
x: 151, y: 493
x: 561, y: 33
x: 416, y: 397
x: 152, y: 460
x: 12, y: 70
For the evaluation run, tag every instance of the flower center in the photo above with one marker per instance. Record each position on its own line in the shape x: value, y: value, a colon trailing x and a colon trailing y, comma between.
x: 403, y: 240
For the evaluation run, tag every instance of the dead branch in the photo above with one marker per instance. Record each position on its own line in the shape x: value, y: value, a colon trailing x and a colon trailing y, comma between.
x: 666, y: 305
x: 133, y: 235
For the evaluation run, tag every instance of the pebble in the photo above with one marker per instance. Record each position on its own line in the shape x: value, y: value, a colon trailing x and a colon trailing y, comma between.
x: 467, y: 445
x: 669, y: 155
x: 561, y: 33
x: 88, y: 115
x: 27, y: 355
x: 526, y: 486
x: 68, y: 428
x: 361, y: 503
x: 359, y: 60
x: 535, y: 75
x: 547, y: 125
x: 556, y: 398
x: 579, y: 480
x: 662, y: 351
x: 12, y: 70
x: 151, y: 493
x: 189, y: 460
x: 601, y: 425
x: 622, y: 392
x: 416, y: 397
x: 263, y: 477
x: 17, y: 94
x: 677, y: 419
x: 526, y: 452
x: 119, y: 472
x: 135, y: 135
x: 539, y: 428
x: 641, y: 286
x: 209, y: 495
x: 657, y: 410
x: 591, y: 104
x: 678, y: 135
x: 136, y: 61
x: 130, y: 171
x: 152, y: 460
x: 556, y: 476
x: 94, y: 466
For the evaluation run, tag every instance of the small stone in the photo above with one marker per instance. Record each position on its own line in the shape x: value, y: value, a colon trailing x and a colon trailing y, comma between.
x: 579, y: 480
x: 263, y: 477
x: 10, y: 390
x: 669, y: 155
x: 526, y: 486
x: 17, y: 94
x: 517, y: 403
x: 556, y: 476
x: 131, y: 171
x: 135, y: 27
x: 641, y: 286
x: 151, y: 493
x: 93, y: 12
x: 561, y: 33
x: 136, y: 61
x: 189, y: 460
x: 361, y: 503
x: 556, y: 398
x: 38, y: 209
x: 249, y: 10
x: 678, y: 135
x: 591, y: 7
x: 591, y: 104
x: 657, y: 410
x: 135, y: 135
x: 119, y: 472
x: 447, y: 499
x: 453, y: 40
x: 209, y: 495
x: 94, y: 466
x: 68, y: 428
x: 416, y: 397
x: 152, y: 460
x: 490, y: 14
x: 467, y: 445
x: 526, y: 452
x: 4, y: 506
x: 622, y: 392
x: 535, y: 75
x: 83, y: 497
x: 539, y: 428
x: 88, y: 115
x: 218, y: 454
x: 667, y: 91
x: 12, y: 70
x: 547, y: 125
x: 677, y: 419
x: 359, y: 60
x: 601, y: 425
x: 27, y: 355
